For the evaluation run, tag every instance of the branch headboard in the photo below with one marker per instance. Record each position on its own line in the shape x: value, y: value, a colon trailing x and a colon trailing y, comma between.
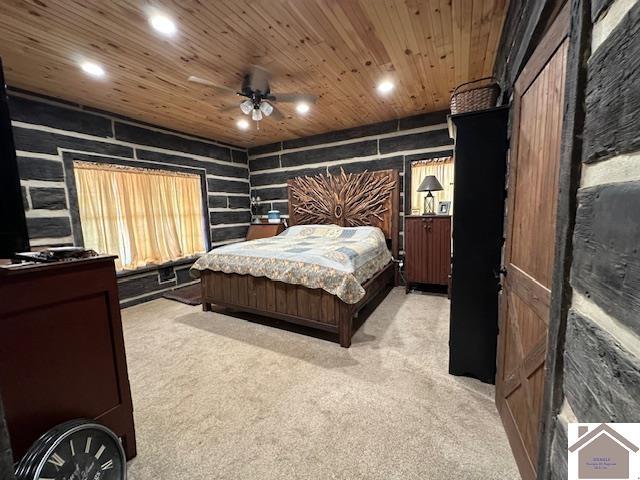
x: 348, y: 200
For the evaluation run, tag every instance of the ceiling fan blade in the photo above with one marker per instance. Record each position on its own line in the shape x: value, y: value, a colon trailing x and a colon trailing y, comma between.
x: 294, y: 97
x: 215, y: 86
x: 276, y: 114
x: 229, y: 108
x: 259, y: 78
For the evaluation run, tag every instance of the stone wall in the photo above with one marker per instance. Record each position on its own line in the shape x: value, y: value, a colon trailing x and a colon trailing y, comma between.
x: 50, y: 134
x: 387, y: 145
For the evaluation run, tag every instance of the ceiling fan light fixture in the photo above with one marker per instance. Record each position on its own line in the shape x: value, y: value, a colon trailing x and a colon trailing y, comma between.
x: 266, y: 108
x: 246, y: 107
x: 256, y: 114
x: 302, y: 107
x: 242, y: 124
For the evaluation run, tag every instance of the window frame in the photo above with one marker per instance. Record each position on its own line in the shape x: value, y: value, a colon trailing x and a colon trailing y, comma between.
x: 76, y: 223
x: 409, y: 161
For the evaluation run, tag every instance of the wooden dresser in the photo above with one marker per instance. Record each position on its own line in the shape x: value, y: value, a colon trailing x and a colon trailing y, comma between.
x: 427, y: 246
x: 264, y: 230
x: 62, y: 350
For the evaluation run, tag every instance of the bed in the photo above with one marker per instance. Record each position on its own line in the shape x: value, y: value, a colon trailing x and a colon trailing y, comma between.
x: 333, y: 261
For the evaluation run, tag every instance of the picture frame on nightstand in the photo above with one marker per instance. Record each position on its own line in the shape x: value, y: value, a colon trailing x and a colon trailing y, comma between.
x: 444, y: 207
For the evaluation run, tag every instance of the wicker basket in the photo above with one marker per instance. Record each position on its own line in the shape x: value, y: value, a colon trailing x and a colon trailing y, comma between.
x: 469, y: 98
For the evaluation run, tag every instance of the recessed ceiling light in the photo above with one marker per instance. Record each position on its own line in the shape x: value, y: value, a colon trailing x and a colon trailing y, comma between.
x: 92, y: 69
x: 242, y: 124
x: 385, y: 86
x: 163, y: 24
x: 302, y: 107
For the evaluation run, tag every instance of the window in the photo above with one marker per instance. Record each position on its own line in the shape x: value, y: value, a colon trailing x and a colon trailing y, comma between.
x: 442, y: 168
x: 143, y: 216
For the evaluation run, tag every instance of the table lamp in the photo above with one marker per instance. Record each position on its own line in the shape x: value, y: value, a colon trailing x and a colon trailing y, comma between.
x: 429, y: 184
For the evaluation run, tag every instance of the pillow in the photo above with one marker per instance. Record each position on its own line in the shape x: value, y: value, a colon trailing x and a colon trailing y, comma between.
x: 334, y: 232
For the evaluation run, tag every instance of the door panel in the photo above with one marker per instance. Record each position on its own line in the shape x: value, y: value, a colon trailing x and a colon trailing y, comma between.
x: 536, y: 183
x: 530, y: 238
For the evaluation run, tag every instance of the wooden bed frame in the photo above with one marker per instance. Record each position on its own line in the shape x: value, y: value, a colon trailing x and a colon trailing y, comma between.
x: 315, y: 307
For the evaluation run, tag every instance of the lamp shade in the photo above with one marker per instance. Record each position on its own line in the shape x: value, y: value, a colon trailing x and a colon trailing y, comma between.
x: 256, y: 114
x: 246, y: 107
x: 430, y: 184
x: 266, y: 108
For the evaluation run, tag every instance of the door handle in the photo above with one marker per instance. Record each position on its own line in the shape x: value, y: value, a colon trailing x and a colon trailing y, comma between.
x: 501, y: 271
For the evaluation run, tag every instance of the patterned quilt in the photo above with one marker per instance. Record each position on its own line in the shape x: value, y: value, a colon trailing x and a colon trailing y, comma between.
x: 337, y: 259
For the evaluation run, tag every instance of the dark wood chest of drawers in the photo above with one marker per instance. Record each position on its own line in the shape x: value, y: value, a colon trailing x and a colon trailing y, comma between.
x: 62, y: 350
x: 427, y: 246
x: 481, y: 141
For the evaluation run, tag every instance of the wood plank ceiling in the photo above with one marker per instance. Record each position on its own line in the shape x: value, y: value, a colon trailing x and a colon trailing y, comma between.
x: 336, y: 49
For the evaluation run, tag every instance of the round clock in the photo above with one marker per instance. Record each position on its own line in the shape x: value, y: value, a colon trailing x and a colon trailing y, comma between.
x: 75, y: 450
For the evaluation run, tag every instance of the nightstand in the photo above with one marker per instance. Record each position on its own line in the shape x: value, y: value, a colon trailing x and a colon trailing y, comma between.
x: 427, y: 249
x: 264, y: 230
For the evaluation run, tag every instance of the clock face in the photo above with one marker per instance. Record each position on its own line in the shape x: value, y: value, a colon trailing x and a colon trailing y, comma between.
x: 83, y: 454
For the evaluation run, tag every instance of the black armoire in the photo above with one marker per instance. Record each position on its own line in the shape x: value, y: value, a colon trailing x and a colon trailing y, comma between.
x: 479, y: 197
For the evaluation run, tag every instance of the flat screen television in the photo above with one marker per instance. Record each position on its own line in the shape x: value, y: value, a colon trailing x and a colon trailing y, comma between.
x: 13, y: 224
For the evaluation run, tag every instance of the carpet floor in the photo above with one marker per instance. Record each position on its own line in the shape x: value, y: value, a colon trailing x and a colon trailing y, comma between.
x: 217, y: 397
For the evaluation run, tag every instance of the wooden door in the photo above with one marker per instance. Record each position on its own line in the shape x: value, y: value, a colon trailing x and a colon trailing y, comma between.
x: 438, y: 244
x: 529, y: 249
x: 415, y: 249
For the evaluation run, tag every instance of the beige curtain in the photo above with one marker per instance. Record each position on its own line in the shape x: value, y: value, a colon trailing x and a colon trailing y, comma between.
x: 442, y: 168
x: 143, y: 216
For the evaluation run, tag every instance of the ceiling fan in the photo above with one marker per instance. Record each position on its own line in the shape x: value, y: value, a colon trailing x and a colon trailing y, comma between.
x: 260, y: 99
